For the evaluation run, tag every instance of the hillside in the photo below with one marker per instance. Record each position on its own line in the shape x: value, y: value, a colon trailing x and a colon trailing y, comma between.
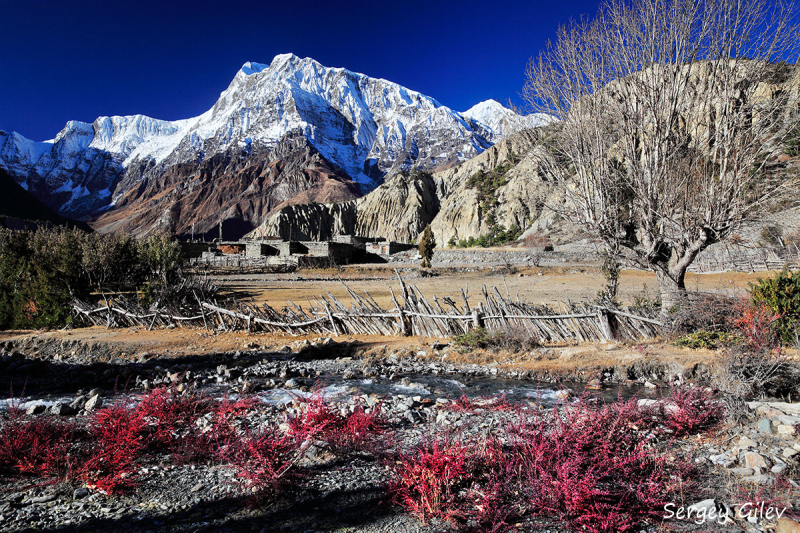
x: 455, y: 207
x: 20, y: 209
x: 514, y: 185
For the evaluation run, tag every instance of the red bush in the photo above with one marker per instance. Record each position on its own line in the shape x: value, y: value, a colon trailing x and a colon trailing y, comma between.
x: 356, y: 431
x: 598, y: 468
x: 37, y: 445
x: 468, y: 405
x: 170, y: 416
x: 117, y: 441
x: 758, y: 324
x: 106, y: 451
x: 467, y: 482
x: 225, y: 427
x: 430, y: 478
x: 689, y: 411
x: 266, y: 461
x: 595, y: 467
x: 227, y: 419
x: 317, y: 418
x: 164, y: 420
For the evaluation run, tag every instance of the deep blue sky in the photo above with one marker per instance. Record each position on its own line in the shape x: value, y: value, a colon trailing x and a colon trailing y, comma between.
x: 79, y: 59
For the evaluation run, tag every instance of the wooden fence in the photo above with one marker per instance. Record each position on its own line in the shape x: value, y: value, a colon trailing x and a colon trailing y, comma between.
x: 740, y: 259
x: 412, y: 314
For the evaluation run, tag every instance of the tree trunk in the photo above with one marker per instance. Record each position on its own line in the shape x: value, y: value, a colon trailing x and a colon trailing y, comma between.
x: 672, y: 287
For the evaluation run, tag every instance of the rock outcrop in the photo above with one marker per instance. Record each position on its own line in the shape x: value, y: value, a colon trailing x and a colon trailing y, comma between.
x: 236, y: 190
x: 402, y: 207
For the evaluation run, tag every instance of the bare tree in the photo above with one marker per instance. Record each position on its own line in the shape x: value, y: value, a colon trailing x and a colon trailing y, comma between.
x: 671, y: 113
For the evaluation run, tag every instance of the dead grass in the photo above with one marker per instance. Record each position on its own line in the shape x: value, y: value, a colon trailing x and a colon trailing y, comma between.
x: 553, y: 286
x: 586, y: 358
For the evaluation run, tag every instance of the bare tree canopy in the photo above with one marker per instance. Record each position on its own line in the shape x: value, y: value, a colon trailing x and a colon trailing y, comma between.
x: 671, y: 116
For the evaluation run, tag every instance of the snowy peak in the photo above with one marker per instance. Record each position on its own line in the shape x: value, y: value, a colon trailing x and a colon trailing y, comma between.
x: 487, y: 110
x: 366, y: 126
x: 250, y: 68
x: 503, y: 121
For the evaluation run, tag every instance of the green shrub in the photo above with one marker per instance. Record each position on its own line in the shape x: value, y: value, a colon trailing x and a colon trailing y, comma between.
x: 41, y: 271
x: 512, y: 338
x: 111, y: 260
x: 710, y: 340
x: 427, y: 244
x: 781, y: 295
x: 475, y: 338
x: 486, y: 185
x: 160, y: 258
x: 498, y: 236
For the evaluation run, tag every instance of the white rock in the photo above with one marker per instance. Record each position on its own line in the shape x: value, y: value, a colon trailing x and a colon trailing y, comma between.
x: 789, y: 420
x: 746, y: 442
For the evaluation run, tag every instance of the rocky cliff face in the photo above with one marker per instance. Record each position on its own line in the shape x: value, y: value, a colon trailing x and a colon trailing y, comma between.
x: 129, y: 170
x: 401, y: 208
x: 234, y: 189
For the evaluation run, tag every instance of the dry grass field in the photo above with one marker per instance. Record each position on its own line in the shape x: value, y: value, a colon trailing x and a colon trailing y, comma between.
x: 532, y: 285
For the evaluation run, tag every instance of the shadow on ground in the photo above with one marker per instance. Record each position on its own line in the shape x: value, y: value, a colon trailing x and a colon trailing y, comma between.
x: 334, y: 512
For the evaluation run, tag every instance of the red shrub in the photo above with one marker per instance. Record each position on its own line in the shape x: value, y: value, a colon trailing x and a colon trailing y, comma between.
x: 465, y: 404
x: 225, y: 426
x: 317, y: 418
x: 598, y: 468
x: 595, y: 468
x: 117, y: 437
x: 170, y: 416
x: 227, y: 419
x: 430, y: 478
x: 464, y: 483
x: 37, y: 445
x: 689, y: 411
x: 266, y: 462
x: 356, y: 431
x: 758, y: 324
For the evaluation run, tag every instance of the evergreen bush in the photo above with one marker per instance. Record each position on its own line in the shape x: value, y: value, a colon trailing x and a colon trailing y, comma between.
x: 781, y: 295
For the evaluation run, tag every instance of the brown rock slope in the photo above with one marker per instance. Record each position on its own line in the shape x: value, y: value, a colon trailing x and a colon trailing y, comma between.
x: 402, y: 207
x: 238, y: 190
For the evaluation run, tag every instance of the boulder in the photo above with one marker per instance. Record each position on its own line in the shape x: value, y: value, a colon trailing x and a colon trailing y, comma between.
x: 766, y: 426
x: 754, y: 461
x: 95, y: 402
x: 36, y: 409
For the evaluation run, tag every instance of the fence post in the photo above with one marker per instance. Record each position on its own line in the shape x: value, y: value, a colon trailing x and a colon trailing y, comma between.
x: 605, y: 324
x: 504, y: 319
x: 477, y: 318
x: 333, y: 322
x: 404, y: 327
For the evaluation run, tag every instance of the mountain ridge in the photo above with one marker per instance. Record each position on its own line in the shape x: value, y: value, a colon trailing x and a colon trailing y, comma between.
x: 368, y: 128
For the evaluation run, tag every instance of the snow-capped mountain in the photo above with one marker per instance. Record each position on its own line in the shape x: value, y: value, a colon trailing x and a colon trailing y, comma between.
x: 502, y: 121
x: 363, y: 126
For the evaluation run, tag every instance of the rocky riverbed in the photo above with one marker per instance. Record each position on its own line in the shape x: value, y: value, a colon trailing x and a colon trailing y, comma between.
x: 420, y: 395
